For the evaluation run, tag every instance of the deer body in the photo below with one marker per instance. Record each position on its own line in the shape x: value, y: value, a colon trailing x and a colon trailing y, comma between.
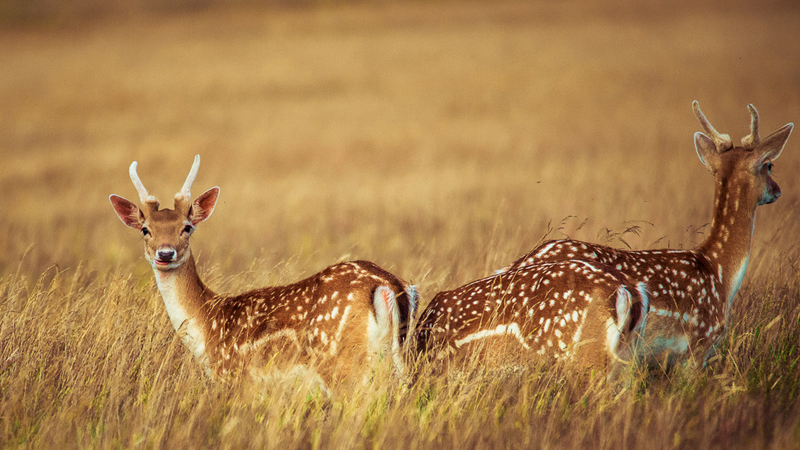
x: 322, y: 319
x: 691, y: 291
x: 568, y: 309
x: 340, y: 321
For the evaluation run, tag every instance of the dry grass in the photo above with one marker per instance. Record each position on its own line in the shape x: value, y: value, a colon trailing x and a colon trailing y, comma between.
x: 440, y: 140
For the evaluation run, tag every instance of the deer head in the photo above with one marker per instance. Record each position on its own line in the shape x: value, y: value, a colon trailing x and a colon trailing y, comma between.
x: 166, y: 232
x: 749, y: 165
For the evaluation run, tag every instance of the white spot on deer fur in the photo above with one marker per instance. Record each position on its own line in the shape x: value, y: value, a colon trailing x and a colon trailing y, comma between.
x: 574, y: 316
x: 661, y: 312
x: 510, y: 329
x: 342, y: 322
x: 286, y: 332
x: 546, y: 325
x: 544, y: 250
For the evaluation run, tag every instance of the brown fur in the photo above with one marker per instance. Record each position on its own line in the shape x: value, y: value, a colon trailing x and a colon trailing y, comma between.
x: 249, y: 317
x: 535, y: 304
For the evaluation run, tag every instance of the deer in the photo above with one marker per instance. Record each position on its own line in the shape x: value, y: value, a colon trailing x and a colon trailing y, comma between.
x: 692, y: 291
x: 576, y: 311
x: 335, y: 324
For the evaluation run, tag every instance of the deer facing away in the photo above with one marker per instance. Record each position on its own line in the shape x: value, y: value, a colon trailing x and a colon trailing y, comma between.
x: 337, y: 323
x: 569, y: 309
x: 691, y: 291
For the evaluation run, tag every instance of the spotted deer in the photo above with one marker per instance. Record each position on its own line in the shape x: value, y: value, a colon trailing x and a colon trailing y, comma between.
x: 691, y: 291
x: 335, y: 324
x: 575, y: 310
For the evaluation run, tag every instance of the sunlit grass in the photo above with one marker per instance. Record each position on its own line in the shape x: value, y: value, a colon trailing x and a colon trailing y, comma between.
x: 95, y: 363
x: 440, y: 140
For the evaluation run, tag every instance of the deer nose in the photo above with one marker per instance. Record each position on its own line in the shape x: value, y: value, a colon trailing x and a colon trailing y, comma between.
x: 166, y: 254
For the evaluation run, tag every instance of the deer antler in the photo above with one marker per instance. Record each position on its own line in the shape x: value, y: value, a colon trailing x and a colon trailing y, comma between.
x: 185, y: 193
x: 144, y: 197
x: 722, y: 141
x: 752, y: 140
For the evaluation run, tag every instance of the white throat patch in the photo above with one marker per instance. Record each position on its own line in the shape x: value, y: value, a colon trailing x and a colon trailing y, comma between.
x: 187, y: 327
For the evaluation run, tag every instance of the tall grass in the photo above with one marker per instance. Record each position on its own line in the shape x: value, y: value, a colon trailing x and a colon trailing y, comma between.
x: 95, y: 363
x: 440, y: 140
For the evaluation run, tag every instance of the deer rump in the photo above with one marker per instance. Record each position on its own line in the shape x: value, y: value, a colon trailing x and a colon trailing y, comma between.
x: 569, y: 310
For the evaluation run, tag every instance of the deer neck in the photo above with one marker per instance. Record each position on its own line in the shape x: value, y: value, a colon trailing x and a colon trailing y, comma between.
x: 728, y: 244
x: 185, y: 298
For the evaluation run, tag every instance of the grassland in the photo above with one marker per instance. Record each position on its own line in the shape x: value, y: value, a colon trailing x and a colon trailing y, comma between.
x: 440, y: 140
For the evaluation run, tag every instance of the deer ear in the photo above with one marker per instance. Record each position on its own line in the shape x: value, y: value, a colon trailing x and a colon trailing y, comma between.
x: 127, y: 211
x: 203, y: 206
x: 706, y: 151
x: 772, y: 146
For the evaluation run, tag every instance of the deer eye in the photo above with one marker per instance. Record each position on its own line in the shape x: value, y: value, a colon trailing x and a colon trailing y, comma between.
x: 770, y: 166
x: 188, y: 229
x: 145, y: 231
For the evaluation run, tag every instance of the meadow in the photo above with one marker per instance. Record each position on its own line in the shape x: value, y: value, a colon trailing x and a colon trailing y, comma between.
x: 440, y: 140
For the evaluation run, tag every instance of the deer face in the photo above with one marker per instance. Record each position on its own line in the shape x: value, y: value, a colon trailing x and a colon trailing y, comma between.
x: 166, y: 239
x: 764, y: 154
x: 750, y: 172
x: 770, y: 191
x: 166, y: 232
x: 749, y: 166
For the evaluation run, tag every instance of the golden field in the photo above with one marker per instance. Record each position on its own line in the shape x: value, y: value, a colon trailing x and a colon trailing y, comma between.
x: 440, y: 140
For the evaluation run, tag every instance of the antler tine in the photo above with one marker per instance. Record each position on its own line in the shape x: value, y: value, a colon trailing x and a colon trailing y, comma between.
x: 722, y: 141
x: 187, y: 186
x: 752, y: 140
x: 144, y: 196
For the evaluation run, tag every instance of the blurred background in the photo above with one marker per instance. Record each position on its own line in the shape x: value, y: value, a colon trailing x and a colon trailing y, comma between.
x: 440, y: 139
